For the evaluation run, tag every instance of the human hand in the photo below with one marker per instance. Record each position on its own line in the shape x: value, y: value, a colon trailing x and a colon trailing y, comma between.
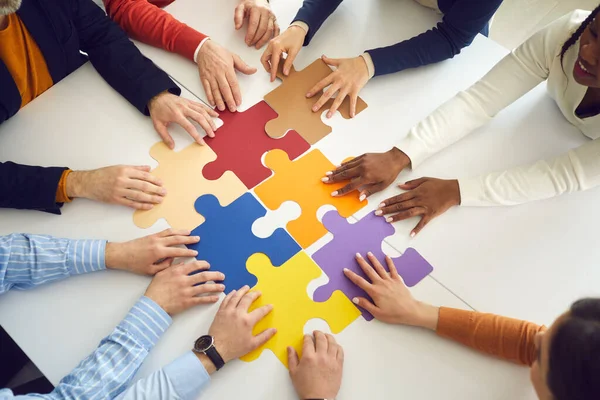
x: 150, y: 254
x: 289, y: 42
x: 427, y: 197
x: 392, y: 301
x: 175, y: 290
x: 318, y: 375
x: 166, y: 108
x: 348, y: 79
x: 369, y: 173
x: 131, y: 186
x: 233, y: 325
x: 217, y: 68
x: 262, y: 23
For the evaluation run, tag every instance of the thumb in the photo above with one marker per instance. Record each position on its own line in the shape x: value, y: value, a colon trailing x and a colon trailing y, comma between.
x: 241, y: 65
x: 238, y: 16
x: 164, y: 134
x: 293, y: 359
x: 331, y: 61
x: 410, y: 185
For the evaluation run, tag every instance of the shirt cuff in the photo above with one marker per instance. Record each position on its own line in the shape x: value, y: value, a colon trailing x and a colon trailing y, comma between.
x: 414, y: 149
x: 147, y: 322
x: 61, y: 191
x: 301, y: 24
x: 198, y: 49
x: 84, y: 256
x: 188, y: 375
x: 369, y: 62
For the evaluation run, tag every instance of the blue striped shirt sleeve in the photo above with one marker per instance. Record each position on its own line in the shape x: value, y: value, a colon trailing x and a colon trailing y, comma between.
x: 27, y: 261
x: 106, y: 373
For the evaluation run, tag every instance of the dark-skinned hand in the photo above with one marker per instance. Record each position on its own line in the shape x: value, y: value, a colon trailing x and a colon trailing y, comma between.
x: 368, y: 173
x: 427, y: 197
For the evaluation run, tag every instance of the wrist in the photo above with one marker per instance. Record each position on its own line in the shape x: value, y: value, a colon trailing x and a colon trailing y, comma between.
x: 299, y: 30
x: 74, y: 185
x: 112, y: 255
x: 153, y: 100
x: 427, y: 316
x: 456, y: 200
x: 399, y: 159
x: 206, y: 363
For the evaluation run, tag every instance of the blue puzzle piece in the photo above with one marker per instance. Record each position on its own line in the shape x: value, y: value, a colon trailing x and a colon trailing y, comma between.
x: 226, y: 239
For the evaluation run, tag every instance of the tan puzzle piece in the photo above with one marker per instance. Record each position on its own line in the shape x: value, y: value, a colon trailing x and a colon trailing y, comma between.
x: 295, y: 110
x: 181, y: 174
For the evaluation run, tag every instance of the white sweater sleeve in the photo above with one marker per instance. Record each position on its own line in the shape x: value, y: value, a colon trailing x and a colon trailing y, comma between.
x: 516, y: 74
x: 578, y: 169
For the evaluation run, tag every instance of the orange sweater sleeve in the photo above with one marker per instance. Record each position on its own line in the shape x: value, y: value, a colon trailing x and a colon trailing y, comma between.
x: 144, y: 21
x: 507, y: 338
x: 61, y: 190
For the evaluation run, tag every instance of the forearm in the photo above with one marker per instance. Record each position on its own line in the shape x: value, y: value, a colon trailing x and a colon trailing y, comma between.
x: 182, y: 379
x: 27, y: 261
x: 502, y: 337
x: 152, y: 25
x: 29, y: 187
x: 314, y: 13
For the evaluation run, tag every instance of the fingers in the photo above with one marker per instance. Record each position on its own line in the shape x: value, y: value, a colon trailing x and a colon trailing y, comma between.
x: 261, y: 312
x: 340, y: 354
x: 267, y: 35
x: 205, y: 300
x: 344, y: 173
x: 355, y: 184
x: 226, y: 92
x: 235, y: 299
x: 253, y: 24
x: 333, y: 62
x: 216, y: 94
x: 367, y: 305
x: 337, y: 102
x: 164, y: 264
x: 264, y: 337
x: 173, y: 232
x: 293, y: 360
x: 136, y: 205
x: 353, y: 101
x: 206, y: 276
x: 377, y: 266
x: 189, y: 127
x: 323, y: 83
x: 357, y: 280
x: 396, y: 199
x: 367, y: 269
x: 266, y: 57
x: 234, y: 87
x: 410, y: 185
x: 238, y: 16
x: 368, y: 190
x: 174, y: 252
x: 321, y: 343
x: 194, y: 267
x: 424, y: 221
x: 146, y: 182
x: 392, y: 267
x: 208, y: 91
x: 164, y: 134
x: 242, y: 66
x: 145, y: 168
x: 214, y: 288
x: 141, y: 197
x: 289, y: 60
x: 263, y: 27
x: 275, y: 59
x: 325, y: 97
x: 308, y: 345
x: 331, y: 345
x: 412, y: 212
x: 247, y: 300
x: 227, y: 299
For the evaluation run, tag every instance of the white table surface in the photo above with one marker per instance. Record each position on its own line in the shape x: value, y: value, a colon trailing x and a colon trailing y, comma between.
x: 476, y: 253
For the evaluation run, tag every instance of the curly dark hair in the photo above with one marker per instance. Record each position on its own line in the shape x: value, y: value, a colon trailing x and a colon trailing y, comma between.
x: 577, y: 34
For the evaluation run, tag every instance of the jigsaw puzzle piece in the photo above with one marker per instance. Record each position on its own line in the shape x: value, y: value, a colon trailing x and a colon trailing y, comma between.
x: 226, y: 239
x: 294, y: 109
x: 241, y: 142
x: 181, y: 174
x: 361, y: 237
x: 285, y: 288
x: 300, y: 181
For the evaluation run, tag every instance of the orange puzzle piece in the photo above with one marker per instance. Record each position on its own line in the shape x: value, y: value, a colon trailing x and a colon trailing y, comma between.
x: 300, y: 181
x: 295, y: 109
x: 181, y: 174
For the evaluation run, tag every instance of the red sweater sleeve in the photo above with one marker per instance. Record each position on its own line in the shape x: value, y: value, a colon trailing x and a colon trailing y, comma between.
x: 144, y: 21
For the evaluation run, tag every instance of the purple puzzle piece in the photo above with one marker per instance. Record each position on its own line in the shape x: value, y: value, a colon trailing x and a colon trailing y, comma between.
x: 361, y: 237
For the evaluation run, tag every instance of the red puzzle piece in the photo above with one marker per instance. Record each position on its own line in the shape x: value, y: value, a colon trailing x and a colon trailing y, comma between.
x: 241, y: 142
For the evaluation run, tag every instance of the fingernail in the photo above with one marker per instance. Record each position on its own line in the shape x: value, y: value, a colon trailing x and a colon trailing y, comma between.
x: 328, y: 115
x: 197, y: 237
x: 314, y: 108
x: 329, y: 173
x: 378, y: 212
x: 355, y: 300
x: 362, y: 197
x: 324, y: 179
x: 195, y: 253
x: 388, y: 219
x: 346, y: 270
x: 334, y: 193
x: 222, y: 276
x: 413, y: 233
x: 358, y: 255
x: 221, y: 287
x: 381, y: 205
x: 370, y: 254
x: 163, y: 191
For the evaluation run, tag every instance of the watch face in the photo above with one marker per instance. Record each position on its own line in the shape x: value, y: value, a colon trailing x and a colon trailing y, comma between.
x: 203, y: 343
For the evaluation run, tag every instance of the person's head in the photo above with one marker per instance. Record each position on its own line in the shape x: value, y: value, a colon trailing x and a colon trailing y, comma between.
x: 9, y: 6
x: 568, y: 361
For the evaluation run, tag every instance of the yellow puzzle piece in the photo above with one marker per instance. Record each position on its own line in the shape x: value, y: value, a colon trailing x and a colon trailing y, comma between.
x: 300, y: 181
x: 285, y: 288
x: 181, y: 174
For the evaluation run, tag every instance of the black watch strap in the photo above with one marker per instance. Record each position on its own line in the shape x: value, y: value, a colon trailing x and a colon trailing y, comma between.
x: 215, y: 357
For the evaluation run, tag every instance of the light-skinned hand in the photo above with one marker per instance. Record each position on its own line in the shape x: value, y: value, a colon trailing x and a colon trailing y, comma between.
x: 131, y: 186
x: 368, y: 173
x: 289, y: 42
x: 262, y: 23
x: 391, y: 302
x: 427, y: 197
x: 175, y: 290
x: 217, y: 67
x: 166, y: 108
x: 150, y: 254
x: 318, y: 375
x: 233, y: 325
x: 350, y: 76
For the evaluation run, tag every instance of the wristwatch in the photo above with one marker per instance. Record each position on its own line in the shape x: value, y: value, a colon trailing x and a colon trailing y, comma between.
x: 206, y: 345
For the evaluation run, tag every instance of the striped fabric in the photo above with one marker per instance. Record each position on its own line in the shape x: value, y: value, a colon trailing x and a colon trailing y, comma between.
x: 27, y: 261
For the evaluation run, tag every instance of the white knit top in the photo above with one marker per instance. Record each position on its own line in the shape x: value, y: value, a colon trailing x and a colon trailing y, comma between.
x: 536, y: 60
